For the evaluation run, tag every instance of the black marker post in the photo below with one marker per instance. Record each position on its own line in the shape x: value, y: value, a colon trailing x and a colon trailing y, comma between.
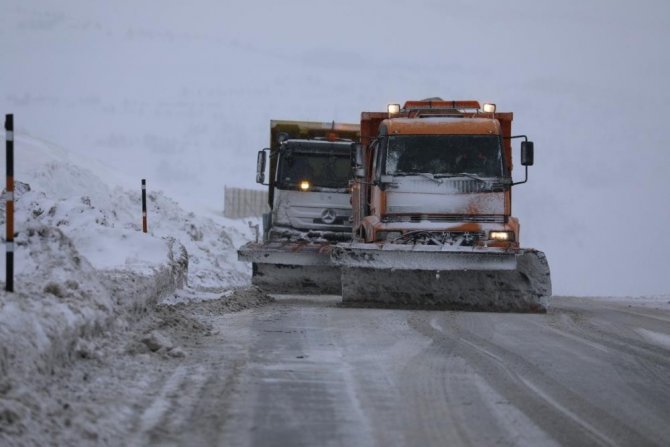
x: 9, y: 196
x: 144, y: 205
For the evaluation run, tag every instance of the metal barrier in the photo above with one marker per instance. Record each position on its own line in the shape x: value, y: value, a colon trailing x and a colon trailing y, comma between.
x: 241, y: 202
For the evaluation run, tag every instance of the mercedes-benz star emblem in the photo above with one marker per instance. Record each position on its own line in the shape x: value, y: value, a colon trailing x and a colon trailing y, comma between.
x: 328, y: 215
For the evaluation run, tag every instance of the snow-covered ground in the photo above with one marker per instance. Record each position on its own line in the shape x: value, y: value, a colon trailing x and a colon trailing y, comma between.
x: 83, y: 267
x: 113, y: 336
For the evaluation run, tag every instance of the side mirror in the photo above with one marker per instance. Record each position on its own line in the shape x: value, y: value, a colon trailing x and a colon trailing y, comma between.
x: 260, y: 167
x: 527, y: 153
x: 357, y: 160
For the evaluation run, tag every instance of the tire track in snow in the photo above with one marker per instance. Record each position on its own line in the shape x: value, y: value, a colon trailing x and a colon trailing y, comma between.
x: 168, y: 411
x: 618, y: 330
x: 510, y: 375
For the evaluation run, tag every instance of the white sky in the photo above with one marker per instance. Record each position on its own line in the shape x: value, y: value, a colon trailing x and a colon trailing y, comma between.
x: 182, y: 93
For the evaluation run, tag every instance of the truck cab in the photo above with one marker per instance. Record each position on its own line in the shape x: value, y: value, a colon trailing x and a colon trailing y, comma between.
x: 437, y: 174
x: 311, y: 191
x: 310, y: 208
x: 443, y: 179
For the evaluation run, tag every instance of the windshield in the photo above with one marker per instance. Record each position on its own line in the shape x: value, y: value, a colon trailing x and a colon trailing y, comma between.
x: 320, y: 170
x: 479, y: 155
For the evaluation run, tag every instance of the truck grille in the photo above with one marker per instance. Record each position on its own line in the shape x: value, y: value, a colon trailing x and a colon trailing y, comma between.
x: 475, y: 186
x: 452, y: 218
x: 455, y: 238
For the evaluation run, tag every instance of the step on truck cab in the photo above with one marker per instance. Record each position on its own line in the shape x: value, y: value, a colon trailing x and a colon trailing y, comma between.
x: 309, y: 171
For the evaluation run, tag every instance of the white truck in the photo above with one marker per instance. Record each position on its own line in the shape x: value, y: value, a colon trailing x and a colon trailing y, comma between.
x: 310, y: 206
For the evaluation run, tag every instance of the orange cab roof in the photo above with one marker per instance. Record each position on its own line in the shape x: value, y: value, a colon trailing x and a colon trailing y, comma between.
x: 442, y: 125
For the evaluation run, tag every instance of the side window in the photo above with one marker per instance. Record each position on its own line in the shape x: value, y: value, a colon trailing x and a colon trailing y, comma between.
x: 379, y: 157
x: 501, y: 157
x: 375, y: 160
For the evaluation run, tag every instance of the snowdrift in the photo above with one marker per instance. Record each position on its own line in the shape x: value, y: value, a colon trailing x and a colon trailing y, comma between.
x: 82, y: 263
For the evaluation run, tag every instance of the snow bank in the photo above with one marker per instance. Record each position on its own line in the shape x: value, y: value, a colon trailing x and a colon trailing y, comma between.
x: 82, y: 264
x: 101, y: 212
x: 61, y: 297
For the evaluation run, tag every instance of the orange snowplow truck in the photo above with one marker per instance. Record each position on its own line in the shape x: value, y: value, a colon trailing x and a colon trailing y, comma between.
x: 431, y: 211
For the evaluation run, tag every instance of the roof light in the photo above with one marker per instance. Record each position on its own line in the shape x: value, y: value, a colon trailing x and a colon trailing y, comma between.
x: 393, y: 109
x: 304, y: 185
x: 489, y: 108
x: 435, y: 104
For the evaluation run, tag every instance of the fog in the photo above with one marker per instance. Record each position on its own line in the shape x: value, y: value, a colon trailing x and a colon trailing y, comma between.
x: 181, y: 93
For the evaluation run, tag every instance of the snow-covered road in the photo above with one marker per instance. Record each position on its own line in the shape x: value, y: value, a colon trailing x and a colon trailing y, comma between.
x: 587, y: 373
x: 305, y: 371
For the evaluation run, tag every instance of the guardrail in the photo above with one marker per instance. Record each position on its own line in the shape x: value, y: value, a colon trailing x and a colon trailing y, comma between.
x: 241, y: 202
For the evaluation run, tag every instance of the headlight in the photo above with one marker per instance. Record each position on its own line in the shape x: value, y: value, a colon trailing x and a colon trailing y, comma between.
x: 489, y: 108
x: 393, y: 109
x: 304, y: 185
x: 501, y: 235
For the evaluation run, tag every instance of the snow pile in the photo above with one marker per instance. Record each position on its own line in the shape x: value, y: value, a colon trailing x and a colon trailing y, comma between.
x: 84, y: 266
x: 63, y: 299
x: 95, y: 208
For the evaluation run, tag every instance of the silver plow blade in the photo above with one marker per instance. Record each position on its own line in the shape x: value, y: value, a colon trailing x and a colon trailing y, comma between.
x: 297, y: 279
x: 430, y: 277
x: 294, y: 268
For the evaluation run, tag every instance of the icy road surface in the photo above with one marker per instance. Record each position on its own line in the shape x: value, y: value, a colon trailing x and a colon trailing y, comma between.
x: 301, y: 371
x: 315, y: 374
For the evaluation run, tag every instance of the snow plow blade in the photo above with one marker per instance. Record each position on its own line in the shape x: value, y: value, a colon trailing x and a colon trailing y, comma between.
x: 291, y: 267
x: 412, y: 276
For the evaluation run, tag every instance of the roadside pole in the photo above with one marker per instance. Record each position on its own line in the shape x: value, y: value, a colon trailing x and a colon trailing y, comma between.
x: 9, y: 221
x: 144, y: 205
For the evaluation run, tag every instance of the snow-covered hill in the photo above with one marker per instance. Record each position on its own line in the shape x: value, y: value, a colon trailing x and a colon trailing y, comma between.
x: 100, y: 211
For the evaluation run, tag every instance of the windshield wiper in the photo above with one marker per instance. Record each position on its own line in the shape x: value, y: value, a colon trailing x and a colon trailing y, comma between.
x: 474, y: 176
x: 428, y: 175
x: 462, y: 174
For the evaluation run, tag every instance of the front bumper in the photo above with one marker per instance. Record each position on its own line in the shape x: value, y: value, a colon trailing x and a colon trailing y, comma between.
x: 286, y: 253
x: 422, y: 257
